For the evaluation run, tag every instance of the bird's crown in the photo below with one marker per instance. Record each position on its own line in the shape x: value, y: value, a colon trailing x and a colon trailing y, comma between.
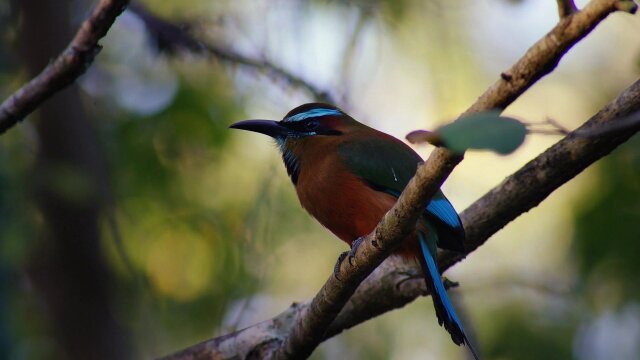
x: 310, y: 111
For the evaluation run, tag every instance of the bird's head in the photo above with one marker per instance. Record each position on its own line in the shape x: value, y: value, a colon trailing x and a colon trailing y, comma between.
x: 309, y: 128
x: 303, y: 122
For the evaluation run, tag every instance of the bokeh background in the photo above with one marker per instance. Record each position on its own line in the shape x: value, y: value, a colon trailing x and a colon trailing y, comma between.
x: 198, y: 229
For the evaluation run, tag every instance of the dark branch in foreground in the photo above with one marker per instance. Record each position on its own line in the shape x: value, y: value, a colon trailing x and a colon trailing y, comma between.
x: 66, y: 68
x: 297, y: 332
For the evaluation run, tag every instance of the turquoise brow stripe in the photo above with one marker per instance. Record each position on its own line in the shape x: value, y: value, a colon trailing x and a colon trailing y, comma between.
x: 313, y: 113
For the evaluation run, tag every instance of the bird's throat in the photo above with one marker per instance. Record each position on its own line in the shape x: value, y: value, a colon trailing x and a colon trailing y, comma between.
x: 292, y: 164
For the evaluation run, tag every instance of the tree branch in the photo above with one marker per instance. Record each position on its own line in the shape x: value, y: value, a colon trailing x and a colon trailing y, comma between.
x: 66, y: 68
x: 566, y: 8
x: 622, y: 125
x: 304, y: 326
x: 171, y: 37
x: 309, y: 328
x: 539, y: 60
x: 531, y: 184
x: 391, y: 286
x: 516, y: 195
x: 544, y: 55
x: 80, y: 53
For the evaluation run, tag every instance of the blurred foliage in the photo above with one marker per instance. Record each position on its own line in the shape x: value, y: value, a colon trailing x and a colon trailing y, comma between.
x: 607, y: 238
x: 180, y: 246
x: 517, y: 336
x: 203, y: 231
x: 392, y: 10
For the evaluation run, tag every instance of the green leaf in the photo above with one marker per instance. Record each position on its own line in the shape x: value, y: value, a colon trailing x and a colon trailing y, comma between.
x: 486, y: 130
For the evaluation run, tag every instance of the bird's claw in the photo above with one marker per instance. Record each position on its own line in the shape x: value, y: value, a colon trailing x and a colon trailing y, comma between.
x: 354, y: 248
x: 351, y: 254
x: 336, y: 268
x: 448, y: 284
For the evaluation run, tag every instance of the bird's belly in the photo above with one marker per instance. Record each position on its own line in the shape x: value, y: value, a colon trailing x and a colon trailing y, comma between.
x: 343, y: 203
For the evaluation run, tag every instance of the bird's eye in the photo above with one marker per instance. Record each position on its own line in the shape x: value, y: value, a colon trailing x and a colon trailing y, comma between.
x: 311, y: 125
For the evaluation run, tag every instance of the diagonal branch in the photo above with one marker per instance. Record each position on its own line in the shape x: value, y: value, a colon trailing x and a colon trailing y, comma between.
x: 171, y: 37
x: 531, y: 184
x: 84, y: 47
x: 388, y: 288
x: 309, y: 329
x: 66, y: 68
x: 304, y: 326
x: 517, y: 194
x: 544, y: 55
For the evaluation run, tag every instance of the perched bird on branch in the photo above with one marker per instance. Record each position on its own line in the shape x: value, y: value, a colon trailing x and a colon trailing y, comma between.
x: 348, y: 175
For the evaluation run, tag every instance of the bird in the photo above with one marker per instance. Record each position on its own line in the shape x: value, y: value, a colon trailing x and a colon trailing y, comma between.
x: 347, y: 175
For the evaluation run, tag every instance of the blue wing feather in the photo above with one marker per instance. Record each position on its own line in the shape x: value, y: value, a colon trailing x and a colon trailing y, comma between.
x: 443, y: 210
x: 440, y: 208
x: 440, y: 292
x: 444, y: 308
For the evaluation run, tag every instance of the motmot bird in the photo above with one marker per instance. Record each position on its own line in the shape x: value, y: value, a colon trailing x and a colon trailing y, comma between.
x: 347, y: 175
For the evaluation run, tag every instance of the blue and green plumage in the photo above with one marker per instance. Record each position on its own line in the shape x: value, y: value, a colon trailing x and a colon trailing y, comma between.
x: 387, y: 165
x: 348, y: 175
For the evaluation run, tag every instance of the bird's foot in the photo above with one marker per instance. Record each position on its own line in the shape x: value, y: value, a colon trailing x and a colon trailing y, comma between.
x: 354, y: 247
x: 351, y: 255
x: 336, y: 268
x: 448, y: 284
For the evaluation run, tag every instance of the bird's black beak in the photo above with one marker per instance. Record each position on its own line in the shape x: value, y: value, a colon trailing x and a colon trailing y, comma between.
x: 267, y: 127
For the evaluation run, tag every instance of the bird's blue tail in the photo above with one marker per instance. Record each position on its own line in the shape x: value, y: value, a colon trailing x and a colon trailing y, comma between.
x: 444, y: 309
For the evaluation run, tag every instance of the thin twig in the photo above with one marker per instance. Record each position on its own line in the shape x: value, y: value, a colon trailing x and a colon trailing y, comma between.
x: 546, y: 131
x: 66, y: 68
x: 272, y: 70
x: 553, y: 127
x: 172, y: 37
x: 555, y: 124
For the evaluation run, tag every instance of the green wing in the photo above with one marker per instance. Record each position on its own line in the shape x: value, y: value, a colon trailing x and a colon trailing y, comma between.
x: 386, y: 164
